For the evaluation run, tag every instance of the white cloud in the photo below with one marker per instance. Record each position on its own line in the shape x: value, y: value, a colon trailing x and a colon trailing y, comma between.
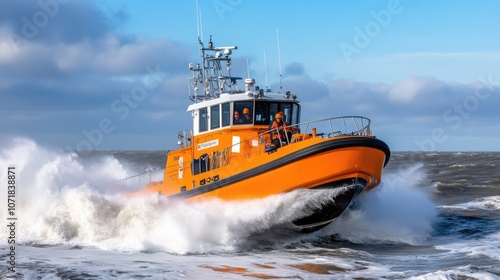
x: 71, y: 73
x: 73, y: 57
x: 8, y: 47
x: 407, y: 90
x: 408, y: 110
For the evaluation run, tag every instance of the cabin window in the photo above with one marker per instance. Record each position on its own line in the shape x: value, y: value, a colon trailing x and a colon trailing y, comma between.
x: 214, y: 117
x: 203, y: 124
x: 243, y: 112
x: 226, y: 114
x: 286, y: 108
x: 262, y: 113
x: 273, y: 110
x: 291, y: 111
x: 295, y: 113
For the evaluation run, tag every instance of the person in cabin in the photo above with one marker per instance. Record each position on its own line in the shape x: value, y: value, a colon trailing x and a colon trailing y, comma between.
x: 237, y: 119
x: 247, y: 118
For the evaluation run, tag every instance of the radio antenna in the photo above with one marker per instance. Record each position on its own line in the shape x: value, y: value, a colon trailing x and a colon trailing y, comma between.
x: 279, y: 59
x: 199, y: 23
x: 198, y: 19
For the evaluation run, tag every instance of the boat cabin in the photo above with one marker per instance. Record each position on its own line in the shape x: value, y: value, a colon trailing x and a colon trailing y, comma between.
x: 229, y: 123
x: 228, y: 110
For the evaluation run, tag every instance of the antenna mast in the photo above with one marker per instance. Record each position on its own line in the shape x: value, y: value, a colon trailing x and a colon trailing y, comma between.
x: 248, y: 69
x: 279, y: 59
x: 265, y: 70
x: 199, y: 23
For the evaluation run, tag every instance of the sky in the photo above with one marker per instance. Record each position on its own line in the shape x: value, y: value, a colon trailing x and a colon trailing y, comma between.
x: 112, y: 75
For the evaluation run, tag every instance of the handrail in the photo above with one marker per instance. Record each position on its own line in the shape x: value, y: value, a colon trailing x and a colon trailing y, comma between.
x: 328, y: 128
x: 149, y: 173
x: 334, y: 127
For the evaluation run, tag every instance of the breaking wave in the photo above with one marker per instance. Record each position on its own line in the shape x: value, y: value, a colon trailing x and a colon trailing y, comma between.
x: 62, y: 199
x: 398, y: 211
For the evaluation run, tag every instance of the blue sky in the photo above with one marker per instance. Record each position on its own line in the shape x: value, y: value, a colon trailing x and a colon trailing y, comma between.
x: 425, y: 72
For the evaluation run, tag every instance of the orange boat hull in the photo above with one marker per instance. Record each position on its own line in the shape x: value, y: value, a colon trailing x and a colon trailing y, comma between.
x: 312, y: 164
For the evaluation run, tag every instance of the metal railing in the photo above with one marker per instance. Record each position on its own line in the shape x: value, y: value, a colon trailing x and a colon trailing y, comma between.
x: 326, y: 128
x: 138, y: 181
x: 185, y: 138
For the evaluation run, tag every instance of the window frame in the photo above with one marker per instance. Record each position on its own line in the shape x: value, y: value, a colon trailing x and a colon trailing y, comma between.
x: 203, y: 119
x: 226, y: 115
x: 239, y: 106
x: 214, y: 117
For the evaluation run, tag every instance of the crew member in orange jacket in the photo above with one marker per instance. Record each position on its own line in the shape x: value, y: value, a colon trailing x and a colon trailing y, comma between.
x: 280, y: 126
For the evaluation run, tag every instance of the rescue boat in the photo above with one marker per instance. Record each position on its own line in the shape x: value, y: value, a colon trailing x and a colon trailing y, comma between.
x: 233, y: 151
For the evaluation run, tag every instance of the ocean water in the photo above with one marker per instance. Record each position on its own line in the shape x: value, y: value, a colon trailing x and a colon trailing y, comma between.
x: 435, y: 216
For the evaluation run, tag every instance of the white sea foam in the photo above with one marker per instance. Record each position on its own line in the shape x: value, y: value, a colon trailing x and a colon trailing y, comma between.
x: 54, y: 192
x: 486, y: 246
x: 484, y: 203
x: 488, y: 204
x: 464, y: 272
x: 62, y: 201
x: 66, y: 202
x: 396, y: 211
